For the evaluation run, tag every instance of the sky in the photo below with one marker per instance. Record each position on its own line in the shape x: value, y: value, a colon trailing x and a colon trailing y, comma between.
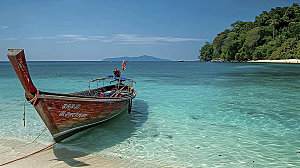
x: 98, y: 29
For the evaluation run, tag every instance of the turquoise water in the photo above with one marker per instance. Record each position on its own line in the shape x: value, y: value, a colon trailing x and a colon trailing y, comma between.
x: 188, y: 114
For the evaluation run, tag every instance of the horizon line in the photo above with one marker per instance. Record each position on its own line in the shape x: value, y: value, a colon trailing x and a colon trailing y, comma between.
x: 86, y: 61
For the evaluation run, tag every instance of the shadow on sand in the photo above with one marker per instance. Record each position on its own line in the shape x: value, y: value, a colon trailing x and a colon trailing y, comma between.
x: 103, y: 136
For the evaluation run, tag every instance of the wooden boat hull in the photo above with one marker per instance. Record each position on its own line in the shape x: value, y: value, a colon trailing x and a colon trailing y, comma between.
x: 67, y: 114
x: 67, y: 117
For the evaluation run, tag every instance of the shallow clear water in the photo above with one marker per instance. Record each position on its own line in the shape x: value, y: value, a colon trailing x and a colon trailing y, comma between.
x: 188, y: 114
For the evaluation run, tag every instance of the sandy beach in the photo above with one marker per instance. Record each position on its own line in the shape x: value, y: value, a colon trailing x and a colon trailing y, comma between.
x: 288, y: 61
x: 56, y: 156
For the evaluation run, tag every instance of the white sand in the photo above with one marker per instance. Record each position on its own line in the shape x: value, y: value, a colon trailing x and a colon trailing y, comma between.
x: 291, y: 61
x: 56, y: 157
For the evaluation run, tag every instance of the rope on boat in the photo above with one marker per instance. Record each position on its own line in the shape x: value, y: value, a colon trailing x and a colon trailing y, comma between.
x: 24, y: 112
x: 30, y: 101
x: 23, y: 157
x: 39, y: 135
x: 35, y: 97
x: 117, y: 92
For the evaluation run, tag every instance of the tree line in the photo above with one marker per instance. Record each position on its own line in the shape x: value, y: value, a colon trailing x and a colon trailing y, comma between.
x: 272, y: 35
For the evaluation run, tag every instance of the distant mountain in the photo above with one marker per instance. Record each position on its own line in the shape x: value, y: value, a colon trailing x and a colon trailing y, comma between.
x: 139, y: 58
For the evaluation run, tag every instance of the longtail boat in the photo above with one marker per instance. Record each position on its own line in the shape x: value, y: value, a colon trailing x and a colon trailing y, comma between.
x: 67, y: 114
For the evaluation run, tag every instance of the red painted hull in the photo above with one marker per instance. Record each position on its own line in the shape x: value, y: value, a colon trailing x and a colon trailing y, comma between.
x: 67, y: 117
x: 67, y: 114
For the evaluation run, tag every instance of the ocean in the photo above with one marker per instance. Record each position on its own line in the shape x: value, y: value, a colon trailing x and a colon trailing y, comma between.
x: 185, y: 114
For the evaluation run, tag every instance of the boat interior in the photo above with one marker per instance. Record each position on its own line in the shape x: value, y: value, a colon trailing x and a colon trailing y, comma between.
x: 117, y: 90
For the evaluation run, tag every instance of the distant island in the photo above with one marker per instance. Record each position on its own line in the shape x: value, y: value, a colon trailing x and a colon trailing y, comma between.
x: 272, y: 35
x: 139, y: 58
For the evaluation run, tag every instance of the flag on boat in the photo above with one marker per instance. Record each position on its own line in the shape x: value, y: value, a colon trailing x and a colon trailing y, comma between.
x: 124, y: 65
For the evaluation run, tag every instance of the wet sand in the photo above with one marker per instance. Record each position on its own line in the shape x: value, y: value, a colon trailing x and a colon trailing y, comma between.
x: 56, y: 156
x: 288, y: 61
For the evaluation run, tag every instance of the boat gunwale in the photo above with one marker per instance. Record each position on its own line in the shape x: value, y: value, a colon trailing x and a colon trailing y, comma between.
x: 84, y: 98
x: 71, y: 96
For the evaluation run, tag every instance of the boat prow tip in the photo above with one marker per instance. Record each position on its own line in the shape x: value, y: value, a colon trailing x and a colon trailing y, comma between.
x: 18, y: 61
x: 14, y: 52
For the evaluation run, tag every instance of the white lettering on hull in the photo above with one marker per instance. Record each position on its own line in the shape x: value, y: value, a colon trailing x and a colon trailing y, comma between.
x: 72, y: 115
x: 71, y: 106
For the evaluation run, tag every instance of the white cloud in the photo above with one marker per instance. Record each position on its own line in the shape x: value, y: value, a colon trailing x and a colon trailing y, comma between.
x: 64, y: 41
x: 4, y: 27
x: 9, y: 39
x: 39, y: 38
x: 67, y: 38
x: 135, y: 38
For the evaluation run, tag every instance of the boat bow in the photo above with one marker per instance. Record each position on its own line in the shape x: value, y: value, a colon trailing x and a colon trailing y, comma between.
x: 18, y: 61
x: 67, y: 114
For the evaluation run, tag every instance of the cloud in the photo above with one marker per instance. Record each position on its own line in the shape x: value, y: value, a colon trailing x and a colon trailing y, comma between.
x: 135, y: 38
x: 4, y: 27
x: 131, y: 38
x: 64, y: 41
x: 9, y: 38
x: 39, y: 38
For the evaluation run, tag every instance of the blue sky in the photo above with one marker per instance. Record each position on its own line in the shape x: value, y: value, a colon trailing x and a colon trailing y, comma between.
x: 98, y: 29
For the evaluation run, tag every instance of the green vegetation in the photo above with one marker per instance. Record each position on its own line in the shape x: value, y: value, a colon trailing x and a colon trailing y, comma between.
x: 273, y: 35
